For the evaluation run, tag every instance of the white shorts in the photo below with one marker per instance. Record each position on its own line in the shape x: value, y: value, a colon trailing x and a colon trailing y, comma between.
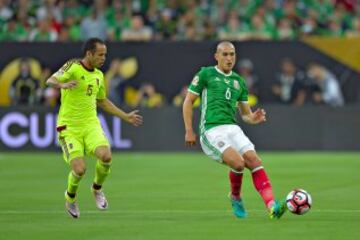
x: 217, y: 139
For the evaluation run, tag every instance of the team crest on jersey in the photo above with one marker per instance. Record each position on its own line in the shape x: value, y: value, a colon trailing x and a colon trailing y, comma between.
x: 195, y: 81
x: 236, y: 85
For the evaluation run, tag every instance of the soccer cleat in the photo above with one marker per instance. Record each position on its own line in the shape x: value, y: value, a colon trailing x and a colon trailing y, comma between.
x: 238, y: 207
x: 100, y: 199
x: 71, y: 206
x: 277, y: 209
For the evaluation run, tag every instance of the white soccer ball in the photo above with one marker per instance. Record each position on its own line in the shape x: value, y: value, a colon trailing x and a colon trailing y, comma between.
x: 298, y: 201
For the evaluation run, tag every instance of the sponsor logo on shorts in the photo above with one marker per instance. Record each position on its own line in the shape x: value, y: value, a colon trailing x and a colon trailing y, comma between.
x: 221, y: 144
x: 71, y: 146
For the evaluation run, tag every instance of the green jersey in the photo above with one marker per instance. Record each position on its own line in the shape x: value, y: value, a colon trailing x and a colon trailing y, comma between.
x: 220, y: 94
x: 78, y: 105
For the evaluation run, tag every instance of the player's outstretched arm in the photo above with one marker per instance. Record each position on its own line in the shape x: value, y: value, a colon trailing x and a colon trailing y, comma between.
x: 190, y: 136
x: 249, y: 116
x: 131, y: 117
x: 53, y: 82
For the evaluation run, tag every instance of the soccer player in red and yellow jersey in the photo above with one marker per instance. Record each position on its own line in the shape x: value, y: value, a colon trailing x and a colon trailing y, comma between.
x: 79, y: 130
x: 222, y: 93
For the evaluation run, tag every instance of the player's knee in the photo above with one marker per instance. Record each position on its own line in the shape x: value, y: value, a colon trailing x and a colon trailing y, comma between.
x: 233, y: 159
x: 105, y: 156
x: 239, y: 165
x: 79, y: 170
x: 78, y: 166
x: 252, y: 161
x: 238, y: 168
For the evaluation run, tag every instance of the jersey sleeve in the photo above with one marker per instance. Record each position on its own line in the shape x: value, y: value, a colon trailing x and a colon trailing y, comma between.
x: 244, y: 92
x: 198, y: 83
x: 65, y: 73
x: 102, y: 92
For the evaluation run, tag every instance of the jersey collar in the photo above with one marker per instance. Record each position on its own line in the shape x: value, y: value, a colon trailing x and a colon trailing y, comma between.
x: 88, y: 69
x: 221, y: 72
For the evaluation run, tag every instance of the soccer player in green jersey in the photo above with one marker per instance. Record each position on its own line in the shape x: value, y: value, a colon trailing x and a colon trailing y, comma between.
x: 79, y: 130
x: 222, y: 92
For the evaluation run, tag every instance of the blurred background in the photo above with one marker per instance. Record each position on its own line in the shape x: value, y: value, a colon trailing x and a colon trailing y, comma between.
x: 300, y: 59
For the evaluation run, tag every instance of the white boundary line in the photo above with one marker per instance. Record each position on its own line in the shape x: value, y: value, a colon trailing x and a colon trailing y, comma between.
x: 204, y: 212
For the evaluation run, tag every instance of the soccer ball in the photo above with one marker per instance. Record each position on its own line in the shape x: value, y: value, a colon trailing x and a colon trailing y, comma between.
x: 298, y: 201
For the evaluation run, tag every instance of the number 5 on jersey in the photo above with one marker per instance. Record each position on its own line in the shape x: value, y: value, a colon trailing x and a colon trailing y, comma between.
x: 89, y: 90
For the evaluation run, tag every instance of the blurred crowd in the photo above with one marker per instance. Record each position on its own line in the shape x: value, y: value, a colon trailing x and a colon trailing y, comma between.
x: 316, y: 85
x: 194, y: 20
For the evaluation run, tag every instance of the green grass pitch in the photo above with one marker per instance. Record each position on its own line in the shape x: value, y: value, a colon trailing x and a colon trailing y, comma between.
x: 177, y: 196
